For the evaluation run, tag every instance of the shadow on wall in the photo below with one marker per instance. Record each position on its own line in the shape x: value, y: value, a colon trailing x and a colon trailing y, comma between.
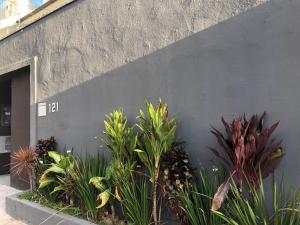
x: 249, y: 63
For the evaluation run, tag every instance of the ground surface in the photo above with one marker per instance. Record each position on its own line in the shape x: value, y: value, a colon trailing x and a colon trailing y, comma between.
x: 5, y: 190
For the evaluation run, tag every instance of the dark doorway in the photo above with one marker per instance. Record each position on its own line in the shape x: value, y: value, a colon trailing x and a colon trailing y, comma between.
x: 20, y: 118
x: 5, y: 126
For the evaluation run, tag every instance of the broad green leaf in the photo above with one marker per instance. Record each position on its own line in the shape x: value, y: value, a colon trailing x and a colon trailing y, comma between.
x: 55, y: 169
x: 104, y: 198
x: 138, y: 150
x: 45, y: 182
x: 98, y: 183
x: 58, y: 188
x: 55, y: 156
x: 117, y: 194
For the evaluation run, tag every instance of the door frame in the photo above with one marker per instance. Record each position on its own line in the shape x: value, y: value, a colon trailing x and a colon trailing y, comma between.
x: 32, y: 63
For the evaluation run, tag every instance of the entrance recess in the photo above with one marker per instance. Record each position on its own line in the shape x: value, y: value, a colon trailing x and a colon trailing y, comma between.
x: 21, y: 76
x: 20, y: 118
x: 5, y: 125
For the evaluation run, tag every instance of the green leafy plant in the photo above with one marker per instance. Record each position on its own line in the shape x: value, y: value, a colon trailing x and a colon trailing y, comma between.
x: 158, y: 135
x: 120, y: 138
x: 255, y: 209
x: 177, y: 177
x: 24, y: 161
x: 249, y: 150
x: 122, y: 141
x: 59, y: 174
x: 105, y: 185
x: 102, y: 184
x: 196, y: 201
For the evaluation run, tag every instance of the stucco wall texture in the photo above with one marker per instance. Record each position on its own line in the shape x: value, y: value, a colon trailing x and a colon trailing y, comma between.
x: 91, y: 37
x: 96, y: 56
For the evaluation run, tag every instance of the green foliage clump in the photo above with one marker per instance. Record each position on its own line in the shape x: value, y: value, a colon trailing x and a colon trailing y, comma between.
x: 148, y: 168
x: 59, y: 174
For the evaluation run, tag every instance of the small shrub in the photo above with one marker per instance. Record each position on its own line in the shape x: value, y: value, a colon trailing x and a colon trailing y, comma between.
x: 249, y: 150
x: 177, y: 177
x: 42, y: 148
x: 43, y: 161
x: 59, y: 174
x: 121, y: 140
x: 157, y: 138
x: 23, y: 161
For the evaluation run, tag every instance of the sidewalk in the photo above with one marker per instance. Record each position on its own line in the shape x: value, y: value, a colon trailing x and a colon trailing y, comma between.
x: 5, y: 191
x: 7, y: 220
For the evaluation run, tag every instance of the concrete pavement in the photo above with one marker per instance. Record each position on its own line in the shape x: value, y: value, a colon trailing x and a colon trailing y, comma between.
x: 5, y: 190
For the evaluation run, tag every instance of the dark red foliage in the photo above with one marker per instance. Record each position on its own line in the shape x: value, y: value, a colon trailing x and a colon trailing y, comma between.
x: 178, y: 175
x: 43, y: 147
x: 249, y: 148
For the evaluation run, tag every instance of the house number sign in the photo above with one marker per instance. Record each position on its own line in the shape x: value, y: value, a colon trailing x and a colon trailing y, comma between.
x: 53, y: 107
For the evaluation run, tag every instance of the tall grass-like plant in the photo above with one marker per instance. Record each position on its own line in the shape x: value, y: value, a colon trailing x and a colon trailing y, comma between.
x: 158, y: 135
x: 86, y: 168
x: 136, y: 195
x: 196, y: 202
x: 255, y: 209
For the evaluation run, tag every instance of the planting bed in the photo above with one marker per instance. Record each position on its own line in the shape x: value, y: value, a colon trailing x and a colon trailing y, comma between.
x: 35, y: 214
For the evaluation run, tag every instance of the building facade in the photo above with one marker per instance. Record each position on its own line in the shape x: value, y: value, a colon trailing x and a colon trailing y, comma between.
x: 207, y: 59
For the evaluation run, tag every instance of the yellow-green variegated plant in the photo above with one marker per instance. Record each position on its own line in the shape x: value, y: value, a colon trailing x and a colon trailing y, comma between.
x: 105, y: 191
x: 158, y: 135
x: 121, y: 140
x: 118, y: 137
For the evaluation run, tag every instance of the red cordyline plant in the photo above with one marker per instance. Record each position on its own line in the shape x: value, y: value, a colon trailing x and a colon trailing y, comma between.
x: 23, y: 161
x: 250, y: 152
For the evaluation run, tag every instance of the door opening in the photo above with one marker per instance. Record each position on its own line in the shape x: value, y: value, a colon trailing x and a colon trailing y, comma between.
x: 15, y: 118
x: 5, y: 126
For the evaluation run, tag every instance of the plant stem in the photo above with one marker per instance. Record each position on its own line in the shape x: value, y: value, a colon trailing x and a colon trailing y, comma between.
x: 30, y: 180
x: 154, y: 195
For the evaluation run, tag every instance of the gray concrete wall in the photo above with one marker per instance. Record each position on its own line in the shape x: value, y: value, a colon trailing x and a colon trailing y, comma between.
x: 95, y: 56
x: 91, y: 37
